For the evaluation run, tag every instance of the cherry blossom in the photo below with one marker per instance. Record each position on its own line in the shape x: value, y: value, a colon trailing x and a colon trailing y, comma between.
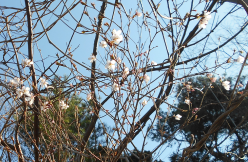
x: 126, y: 71
x: 178, y: 117
x: 115, y: 87
x: 204, y: 21
x: 27, y: 62
x: 144, y: 102
x: 187, y: 101
x: 153, y: 63
x: 89, y: 96
x: 117, y: 37
x: 226, y: 85
x: 139, y: 14
x: 43, y: 82
x: 240, y: 59
x: 110, y: 65
x: 92, y: 58
x: 45, y: 106
x: 146, y: 78
x: 103, y: 44
x: 15, y: 82
x: 63, y: 105
x: 30, y: 99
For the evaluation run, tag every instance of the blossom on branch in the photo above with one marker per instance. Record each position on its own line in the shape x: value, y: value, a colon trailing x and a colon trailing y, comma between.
x: 92, y: 58
x: 240, y: 59
x: 204, y: 21
x: 144, y: 102
x: 115, y: 87
x: 27, y: 62
x: 89, y: 97
x: 226, y: 85
x: 43, y: 82
x: 116, y: 36
x: 178, y: 117
x: 103, y: 44
x: 63, y: 105
x: 146, y: 78
x: 110, y: 65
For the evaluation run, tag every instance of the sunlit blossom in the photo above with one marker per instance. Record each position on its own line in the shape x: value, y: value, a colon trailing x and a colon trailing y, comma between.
x: 116, y: 36
x: 43, y: 82
x: 226, y: 85
x: 89, y: 96
x: 27, y: 62
x: 19, y: 92
x: 204, y: 21
x: 118, y: 60
x: 110, y: 65
x: 45, y: 106
x: 139, y: 14
x: 187, y: 101
x: 153, y: 63
x: 240, y: 59
x: 92, y: 58
x: 15, y: 82
x: 23, y: 90
x: 178, y: 117
x: 144, y: 102
x: 126, y: 71
x: 103, y: 44
x: 146, y: 78
x: 30, y: 99
x: 115, y: 87
x: 213, y: 79
x: 63, y: 105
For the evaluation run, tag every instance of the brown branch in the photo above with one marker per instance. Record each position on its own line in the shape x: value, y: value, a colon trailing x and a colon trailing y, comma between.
x: 34, y: 81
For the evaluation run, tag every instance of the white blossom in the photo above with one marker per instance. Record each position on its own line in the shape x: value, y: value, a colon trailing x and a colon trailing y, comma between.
x: 226, y: 85
x: 92, y: 58
x: 27, y: 62
x: 15, y: 82
x: 43, y: 82
x: 103, y: 44
x: 63, y: 105
x: 19, y: 92
x: 178, y: 117
x: 118, y: 60
x: 240, y: 59
x: 153, y: 63
x: 144, y: 102
x: 126, y: 71
x: 24, y: 90
x: 115, y: 87
x: 204, y: 21
x: 89, y: 97
x: 45, y: 106
x: 146, y: 78
x: 187, y: 101
x: 30, y: 99
x: 139, y: 14
x: 110, y: 65
x: 116, y: 36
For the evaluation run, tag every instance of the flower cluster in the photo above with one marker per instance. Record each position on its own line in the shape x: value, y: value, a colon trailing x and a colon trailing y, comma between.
x: 15, y: 82
x: 226, y: 85
x: 92, y: 58
x: 110, y: 65
x: 43, y: 82
x: 63, y: 105
x: 144, y: 102
x: 240, y: 59
x: 204, y: 21
x: 27, y: 62
x: 116, y: 36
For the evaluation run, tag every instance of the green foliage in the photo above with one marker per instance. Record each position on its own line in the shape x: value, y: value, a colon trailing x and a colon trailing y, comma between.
x: 206, y: 106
